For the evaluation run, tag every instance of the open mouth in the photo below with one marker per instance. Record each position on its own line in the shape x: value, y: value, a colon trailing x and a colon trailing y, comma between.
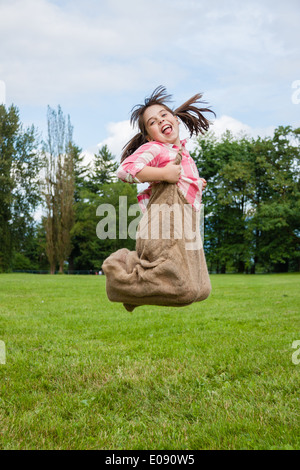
x: 167, y: 129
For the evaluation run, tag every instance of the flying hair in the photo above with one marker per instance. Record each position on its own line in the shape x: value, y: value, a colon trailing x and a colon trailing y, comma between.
x: 189, y: 113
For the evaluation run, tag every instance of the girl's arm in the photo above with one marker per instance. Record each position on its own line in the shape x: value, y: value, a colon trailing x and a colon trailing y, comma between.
x: 169, y: 173
x: 142, y: 166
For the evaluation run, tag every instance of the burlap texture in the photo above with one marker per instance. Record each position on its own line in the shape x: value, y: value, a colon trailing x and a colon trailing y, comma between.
x: 168, y: 267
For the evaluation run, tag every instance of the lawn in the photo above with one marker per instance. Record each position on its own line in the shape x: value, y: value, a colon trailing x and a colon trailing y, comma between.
x: 83, y: 373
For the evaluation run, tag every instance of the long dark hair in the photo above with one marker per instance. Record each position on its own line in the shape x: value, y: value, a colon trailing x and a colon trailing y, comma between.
x: 189, y: 113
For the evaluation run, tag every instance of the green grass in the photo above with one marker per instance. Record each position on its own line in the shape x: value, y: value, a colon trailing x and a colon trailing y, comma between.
x: 83, y: 373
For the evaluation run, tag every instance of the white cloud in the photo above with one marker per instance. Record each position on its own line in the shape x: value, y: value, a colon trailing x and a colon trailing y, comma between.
x: 228, y: 123
x: 119, y: 133
x: 237, y: 128
x: 86, y: 54
x: 51, y: 49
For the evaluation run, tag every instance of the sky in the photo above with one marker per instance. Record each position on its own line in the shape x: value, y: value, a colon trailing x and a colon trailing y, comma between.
x: 99, y: 58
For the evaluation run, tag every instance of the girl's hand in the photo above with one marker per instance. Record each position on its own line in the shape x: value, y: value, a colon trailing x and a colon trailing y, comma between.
x: 204, y: 183
x: 171, y: 173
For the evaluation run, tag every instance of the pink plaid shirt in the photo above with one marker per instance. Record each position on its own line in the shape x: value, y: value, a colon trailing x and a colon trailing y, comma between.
x: 158, y: 155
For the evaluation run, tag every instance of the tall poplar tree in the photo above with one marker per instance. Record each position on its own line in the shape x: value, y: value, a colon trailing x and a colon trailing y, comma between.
x: 59, y: 188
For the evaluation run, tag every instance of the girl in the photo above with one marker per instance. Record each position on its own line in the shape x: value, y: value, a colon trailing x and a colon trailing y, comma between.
x: 162, y: 270
x: 149, y: 156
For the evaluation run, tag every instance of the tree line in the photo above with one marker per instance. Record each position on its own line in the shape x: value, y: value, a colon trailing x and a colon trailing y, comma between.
x: 252, y: 204
x: 252, y: 201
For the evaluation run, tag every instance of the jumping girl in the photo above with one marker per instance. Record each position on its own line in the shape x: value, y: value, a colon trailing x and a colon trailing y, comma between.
x: 163, y: 270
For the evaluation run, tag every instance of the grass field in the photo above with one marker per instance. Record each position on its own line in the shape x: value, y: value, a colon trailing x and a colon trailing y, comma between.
x: 83, y: 373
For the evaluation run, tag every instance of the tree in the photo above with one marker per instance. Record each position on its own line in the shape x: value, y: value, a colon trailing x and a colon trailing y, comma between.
x: 20, y: 164
x: 224, y: 165
x: 59, y: 188
x: 81, y: 171
x: 103, y: 170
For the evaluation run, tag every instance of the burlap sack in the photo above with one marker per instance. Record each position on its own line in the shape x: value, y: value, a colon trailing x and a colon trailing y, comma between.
x: 168, y: 267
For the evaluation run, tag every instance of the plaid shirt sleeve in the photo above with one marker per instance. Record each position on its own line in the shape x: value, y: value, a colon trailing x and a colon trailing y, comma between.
x: 145, y: 155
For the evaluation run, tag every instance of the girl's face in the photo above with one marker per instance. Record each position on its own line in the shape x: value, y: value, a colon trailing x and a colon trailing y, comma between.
x: 161, y: 125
